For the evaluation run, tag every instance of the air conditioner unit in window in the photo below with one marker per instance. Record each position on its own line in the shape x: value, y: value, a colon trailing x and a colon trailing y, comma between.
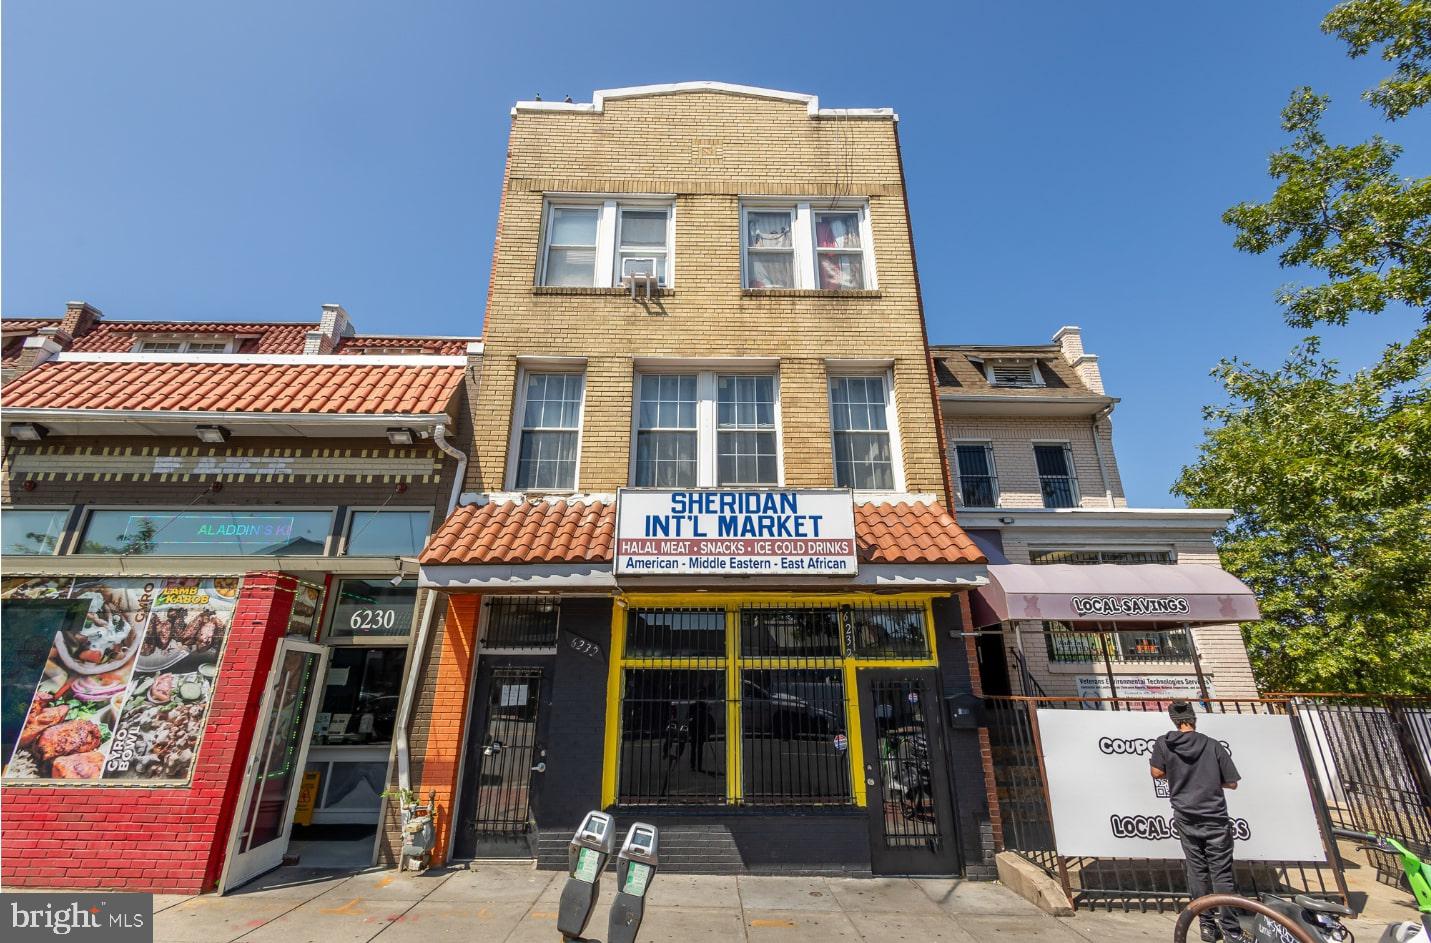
x: 640, y: 271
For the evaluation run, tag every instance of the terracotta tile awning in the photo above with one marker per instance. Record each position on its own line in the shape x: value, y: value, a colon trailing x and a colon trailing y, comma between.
x: 237, y: 387
x: 583, y: 532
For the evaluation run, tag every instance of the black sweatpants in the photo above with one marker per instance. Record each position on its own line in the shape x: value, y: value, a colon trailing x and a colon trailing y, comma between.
x: 1207, y: 849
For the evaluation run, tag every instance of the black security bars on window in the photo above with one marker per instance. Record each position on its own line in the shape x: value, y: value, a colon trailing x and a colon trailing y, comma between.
x: 521, y: 622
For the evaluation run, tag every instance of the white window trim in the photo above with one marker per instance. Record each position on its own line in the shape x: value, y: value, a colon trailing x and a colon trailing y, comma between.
x: 350, y: 513
x: 1072, y: 467
x: 988, y: 446
x: 707, y: 433
x: 891, y: 420
x: 604, y: 273
x: 1035, y: 372
x: 807, y: 275
x: 514, y: 446
x: 185, y: 343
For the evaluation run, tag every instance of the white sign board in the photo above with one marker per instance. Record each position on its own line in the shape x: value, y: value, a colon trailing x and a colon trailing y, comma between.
x: 1106, y: 805
x: 1151, y: 687
x: 735, y: 532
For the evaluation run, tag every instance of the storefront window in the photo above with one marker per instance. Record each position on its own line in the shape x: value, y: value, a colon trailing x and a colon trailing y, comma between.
x: 675, y: 633
x: 1068, y: 642
x: 27, y: 532
x: 373, y: 608
x: 278, y: 532
x: 387, y: 533
x: 790, y: 722
x: 360, y: 696
x: 673, y: 746
x: 779, y: 685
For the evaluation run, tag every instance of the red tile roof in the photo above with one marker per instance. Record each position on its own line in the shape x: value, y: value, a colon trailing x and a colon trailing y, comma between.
x: 238, y: 387
x: 25, y: 325
x: 582, y: 532
x: 428, y: 345
x: 120, y: 336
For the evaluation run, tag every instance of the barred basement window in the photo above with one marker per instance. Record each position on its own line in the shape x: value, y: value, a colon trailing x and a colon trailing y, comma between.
x: 521, y: 622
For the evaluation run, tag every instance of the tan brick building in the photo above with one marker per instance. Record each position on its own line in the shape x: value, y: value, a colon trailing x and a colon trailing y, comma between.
x: 1036, y: 483
x: 704, y: 305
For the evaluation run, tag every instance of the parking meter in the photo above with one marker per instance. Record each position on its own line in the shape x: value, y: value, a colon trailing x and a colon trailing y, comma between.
x: 586, y: 858
x: 635, y: 868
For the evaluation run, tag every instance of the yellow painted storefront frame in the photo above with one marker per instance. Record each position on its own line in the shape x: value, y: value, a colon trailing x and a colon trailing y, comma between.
x: 732, y: 662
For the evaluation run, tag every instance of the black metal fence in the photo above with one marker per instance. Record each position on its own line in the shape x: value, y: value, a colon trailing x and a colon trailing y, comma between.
x: 1373, y: 758
x: 1129, y: 883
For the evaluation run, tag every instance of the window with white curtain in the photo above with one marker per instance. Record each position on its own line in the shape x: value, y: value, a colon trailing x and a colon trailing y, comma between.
x: 860, y: 420
x: 551, y: 424
x: 820, y: 245
x: 596, y: 243
x: 703, y: 428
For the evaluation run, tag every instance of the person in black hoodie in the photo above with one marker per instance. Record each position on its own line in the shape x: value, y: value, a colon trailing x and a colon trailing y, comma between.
x: 1197, y: 769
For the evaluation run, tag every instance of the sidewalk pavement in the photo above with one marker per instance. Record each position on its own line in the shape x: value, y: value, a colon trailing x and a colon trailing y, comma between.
x: 513, y: 903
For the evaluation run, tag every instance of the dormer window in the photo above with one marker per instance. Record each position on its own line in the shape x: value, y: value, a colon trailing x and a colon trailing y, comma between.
x: 1018, y: 373
x: 183, y: 345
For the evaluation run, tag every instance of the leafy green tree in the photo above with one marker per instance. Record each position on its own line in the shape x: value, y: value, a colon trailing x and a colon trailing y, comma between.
x: 1329, y: 475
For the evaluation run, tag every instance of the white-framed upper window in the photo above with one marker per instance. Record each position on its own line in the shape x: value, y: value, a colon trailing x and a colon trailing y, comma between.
x: 549, y: 433
x: 595, y: 243
x: 182, y: 345
x: 822, y: 245
x: 862, y: 427
x: 705, y: 428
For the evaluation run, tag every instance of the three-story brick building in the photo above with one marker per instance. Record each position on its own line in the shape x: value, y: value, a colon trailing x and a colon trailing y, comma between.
x: 706, y: 556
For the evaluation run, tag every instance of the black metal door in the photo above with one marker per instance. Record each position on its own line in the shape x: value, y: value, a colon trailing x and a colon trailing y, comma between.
x: 910, y: 813
x: 504, y: 755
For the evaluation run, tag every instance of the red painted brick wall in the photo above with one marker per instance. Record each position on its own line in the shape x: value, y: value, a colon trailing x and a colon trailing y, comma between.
x: 167, y: 840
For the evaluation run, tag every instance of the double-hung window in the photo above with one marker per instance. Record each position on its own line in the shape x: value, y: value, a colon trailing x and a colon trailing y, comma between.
x: 1056, y: 477
x: 594, y: 243
x: 978, y: 482
x: 705, y: 428
x: 819, y: 246
x: 861, y: 423
x: 547, y: 440
x: 667, y: 433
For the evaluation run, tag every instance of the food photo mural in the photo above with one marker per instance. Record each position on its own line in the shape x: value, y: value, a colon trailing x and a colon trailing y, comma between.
x: 123, y: 689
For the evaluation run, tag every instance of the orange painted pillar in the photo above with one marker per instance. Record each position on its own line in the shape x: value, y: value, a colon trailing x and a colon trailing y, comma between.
x: 450, y: 693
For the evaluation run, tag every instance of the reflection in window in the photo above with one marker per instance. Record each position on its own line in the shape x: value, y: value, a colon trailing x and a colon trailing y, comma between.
x: 795, y: 631
x: 387, y: 533
x: 745, y: 431
x: 360, y: 696
x: 373, y: 607
x: 546, y: 453
x: 794, y: 742
x: 31, y: 532
x: 887, y: 631
x: 675, y: 633
x: 666, y: 431
x: 673, y: 741
x: 278, y: 532
x: 863, y: 459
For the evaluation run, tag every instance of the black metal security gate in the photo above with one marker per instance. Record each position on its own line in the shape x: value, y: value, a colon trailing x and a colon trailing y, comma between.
x: 911, y: 813
x: 502, y: 761
x: 1373, y: 755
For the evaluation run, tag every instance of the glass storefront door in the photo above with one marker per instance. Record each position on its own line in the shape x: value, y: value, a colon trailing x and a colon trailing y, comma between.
x: 275, y: 764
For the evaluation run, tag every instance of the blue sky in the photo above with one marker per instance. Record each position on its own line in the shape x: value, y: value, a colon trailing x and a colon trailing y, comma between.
x: 1067, y: 162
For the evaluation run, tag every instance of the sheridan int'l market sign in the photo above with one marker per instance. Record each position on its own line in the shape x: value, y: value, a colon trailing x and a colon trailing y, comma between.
x: 735, y: 532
